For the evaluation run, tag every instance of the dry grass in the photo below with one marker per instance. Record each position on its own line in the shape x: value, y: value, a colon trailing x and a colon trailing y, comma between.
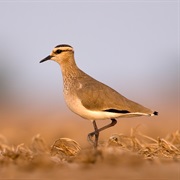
x: 65, y: 151
x: 132, y: 155
x: 148, y: 147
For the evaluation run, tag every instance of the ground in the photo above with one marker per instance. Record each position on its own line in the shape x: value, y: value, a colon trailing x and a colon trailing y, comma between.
x: 55, y: 147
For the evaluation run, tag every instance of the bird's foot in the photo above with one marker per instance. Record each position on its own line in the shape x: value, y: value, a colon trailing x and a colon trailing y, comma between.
x: 90, y: 138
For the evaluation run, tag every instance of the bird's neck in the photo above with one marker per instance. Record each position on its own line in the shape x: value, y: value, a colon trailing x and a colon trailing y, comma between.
x: 70, y: 70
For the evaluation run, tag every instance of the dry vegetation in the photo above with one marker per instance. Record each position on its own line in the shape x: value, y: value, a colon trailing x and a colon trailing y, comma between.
x: 134, y: 150
x: 61, y: 150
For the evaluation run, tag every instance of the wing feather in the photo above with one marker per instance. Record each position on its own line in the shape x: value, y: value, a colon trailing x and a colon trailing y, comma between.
x: 97, y: 96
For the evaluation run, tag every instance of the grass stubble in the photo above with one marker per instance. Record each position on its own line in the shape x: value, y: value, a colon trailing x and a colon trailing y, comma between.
x: 120, y: 150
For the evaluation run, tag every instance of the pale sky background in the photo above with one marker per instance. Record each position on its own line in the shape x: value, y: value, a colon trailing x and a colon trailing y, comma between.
x: 131, y: 46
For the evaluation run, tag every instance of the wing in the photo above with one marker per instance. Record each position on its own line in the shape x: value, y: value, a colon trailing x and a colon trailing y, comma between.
x: 95, y: 95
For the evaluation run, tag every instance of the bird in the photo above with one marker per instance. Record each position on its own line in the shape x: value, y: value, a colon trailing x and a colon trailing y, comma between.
x: 89, y: 98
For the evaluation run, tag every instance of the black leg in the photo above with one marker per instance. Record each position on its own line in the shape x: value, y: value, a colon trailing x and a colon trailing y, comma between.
x: 113, y: 122
x: 96, y: 132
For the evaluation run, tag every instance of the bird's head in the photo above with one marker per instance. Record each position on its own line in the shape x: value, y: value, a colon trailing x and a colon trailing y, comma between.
x: 61, y: 54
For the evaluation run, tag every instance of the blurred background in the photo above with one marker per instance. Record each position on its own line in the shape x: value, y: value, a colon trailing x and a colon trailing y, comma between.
x: 132, y: 46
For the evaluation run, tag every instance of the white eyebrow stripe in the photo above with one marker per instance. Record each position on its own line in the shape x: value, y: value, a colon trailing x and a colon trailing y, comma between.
x: 64, y: 49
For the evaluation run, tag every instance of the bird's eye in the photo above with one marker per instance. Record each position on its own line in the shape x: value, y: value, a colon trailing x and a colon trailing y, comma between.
x: 58, y: 51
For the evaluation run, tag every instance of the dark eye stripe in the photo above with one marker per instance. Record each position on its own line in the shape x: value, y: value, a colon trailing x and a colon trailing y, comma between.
x: 58, y: 51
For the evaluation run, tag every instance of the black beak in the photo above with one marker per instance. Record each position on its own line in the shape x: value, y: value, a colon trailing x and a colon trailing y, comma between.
x: 45, y: 59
